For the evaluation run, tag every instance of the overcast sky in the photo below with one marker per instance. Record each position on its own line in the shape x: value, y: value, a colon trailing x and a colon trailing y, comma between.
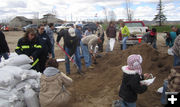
x: 87, y: 9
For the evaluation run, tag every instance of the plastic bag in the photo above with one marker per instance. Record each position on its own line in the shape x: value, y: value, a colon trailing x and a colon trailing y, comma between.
x: 148, y: 81
x: 160, y: 90
x: 170, y: 51
x: 31, y: 98
x: 19, y: 60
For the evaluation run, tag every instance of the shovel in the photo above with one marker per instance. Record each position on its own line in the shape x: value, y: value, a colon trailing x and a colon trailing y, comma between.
x: 70, y: 58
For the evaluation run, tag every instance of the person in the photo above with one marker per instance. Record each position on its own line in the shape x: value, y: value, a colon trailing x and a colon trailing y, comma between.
x: 131, y: 86
x: 88, y: 46
x: 176, y: 51
x: 175, y: 29
x: 53, y: 83
x: 4, y: 49
x: 50, y: 33
x: 171, y: 84
x: 100, y: 33
x: 30, y: 46
x: 171, y: 36
x: 88, y: 32
x: 46, y: 47
x: 125, y: 34
x: 71, y: 42
x: 79, y: 35
x: 111, y: 35
x: 151, y: 37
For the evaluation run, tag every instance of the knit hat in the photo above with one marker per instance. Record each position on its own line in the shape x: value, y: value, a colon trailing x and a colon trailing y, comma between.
x: 72, y: 32
x: 134, y: 63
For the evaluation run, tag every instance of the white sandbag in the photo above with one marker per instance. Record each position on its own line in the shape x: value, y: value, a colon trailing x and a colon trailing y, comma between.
x: 111, y: 43
x: 7, y: 81
x: 4, y: 103
x: 26, y: 66
x: 13, y: 54
x: 34, y: 83
x: 31, y: 74
x: 19, y: 60
x: 160, y: 90
x: 170, y: 51
x: 31, y: 98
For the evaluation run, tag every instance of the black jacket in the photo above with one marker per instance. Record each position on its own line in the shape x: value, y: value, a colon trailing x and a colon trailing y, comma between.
x: 3, y: 44
x: 131, y: 86
x: 45, y: 43
x: 29, y: 48
x: 70, y: 42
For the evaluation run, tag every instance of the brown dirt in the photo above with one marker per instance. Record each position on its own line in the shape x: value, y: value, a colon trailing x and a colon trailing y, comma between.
x: 99, y: 87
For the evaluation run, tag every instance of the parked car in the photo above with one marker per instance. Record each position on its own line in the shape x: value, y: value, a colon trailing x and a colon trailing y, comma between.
x: 5, y: 28
x: 137, y: 29
x: 92, y: 26
x: 29, y: 26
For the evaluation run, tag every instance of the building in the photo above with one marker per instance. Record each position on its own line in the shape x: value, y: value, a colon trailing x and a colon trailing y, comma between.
x: 19, y: 21
x: 50, y: 18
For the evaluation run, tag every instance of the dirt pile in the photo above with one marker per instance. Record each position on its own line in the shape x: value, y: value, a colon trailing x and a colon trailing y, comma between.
x: 99, y: 87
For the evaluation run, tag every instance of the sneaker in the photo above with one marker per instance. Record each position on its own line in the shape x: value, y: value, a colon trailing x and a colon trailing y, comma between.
x: 80, y: 72
x: 90, y: 67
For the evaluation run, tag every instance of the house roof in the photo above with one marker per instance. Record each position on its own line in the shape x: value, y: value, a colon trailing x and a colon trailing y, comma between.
x: 22, y: 18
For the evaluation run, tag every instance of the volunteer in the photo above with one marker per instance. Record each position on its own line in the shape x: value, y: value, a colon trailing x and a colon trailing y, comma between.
x: 30, y: 46
x: 88, y: 46
x: 71, y: 43
x: 100, y: 33
x: 53, y: 92
x: 125, y: 34
x: 4, y: 49
x: 50, y: 33
x: 111, y: 35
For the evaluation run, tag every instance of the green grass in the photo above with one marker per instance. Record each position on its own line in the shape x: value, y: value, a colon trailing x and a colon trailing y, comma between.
x: 164, y: 28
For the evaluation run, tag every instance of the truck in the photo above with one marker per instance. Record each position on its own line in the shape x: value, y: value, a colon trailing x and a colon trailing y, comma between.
x: 137, y: 30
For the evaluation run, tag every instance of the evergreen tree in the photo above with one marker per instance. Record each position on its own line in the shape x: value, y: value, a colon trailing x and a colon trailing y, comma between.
x: 160, y: 17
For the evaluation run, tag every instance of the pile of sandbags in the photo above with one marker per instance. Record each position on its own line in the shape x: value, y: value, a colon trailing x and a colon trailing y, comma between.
x: 19, y: 84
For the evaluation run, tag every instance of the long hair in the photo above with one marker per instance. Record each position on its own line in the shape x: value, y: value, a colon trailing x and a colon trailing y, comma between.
x: 30, y: 30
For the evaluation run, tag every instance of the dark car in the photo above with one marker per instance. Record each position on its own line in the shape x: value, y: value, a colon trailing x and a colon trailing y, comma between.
x: 92, y: 26
x: 30, y: 26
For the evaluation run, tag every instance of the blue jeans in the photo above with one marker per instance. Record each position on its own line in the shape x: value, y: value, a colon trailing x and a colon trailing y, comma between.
x: 163, y: 96
x: 154, y: 44
x: 77, y: 58
x: 127, y: 104
x: 86, y: 54
x: 124, y: 42
x: 52, y: 51
x: 176, y: 60
x: 5, y: 55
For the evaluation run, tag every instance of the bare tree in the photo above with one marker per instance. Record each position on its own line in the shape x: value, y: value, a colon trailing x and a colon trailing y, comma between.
x: 129, y: 11
x: 160, y: 17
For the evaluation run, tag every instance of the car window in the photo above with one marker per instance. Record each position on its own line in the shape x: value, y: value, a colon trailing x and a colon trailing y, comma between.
x: 134, y: 24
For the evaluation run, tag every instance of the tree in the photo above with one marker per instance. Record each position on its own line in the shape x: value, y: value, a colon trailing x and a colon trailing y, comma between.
x: 105, y: 13
x: 160, y: 17
x: 129, y: 11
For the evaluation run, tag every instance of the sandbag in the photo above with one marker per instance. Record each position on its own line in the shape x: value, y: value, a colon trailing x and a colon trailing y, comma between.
x: 170, y: 51
x: 26, y: 66
x: 31, y: 98
x: 19, y: 60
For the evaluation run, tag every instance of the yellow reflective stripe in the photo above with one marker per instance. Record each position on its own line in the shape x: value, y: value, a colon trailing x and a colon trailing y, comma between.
x: 25, y: 46
x: 37, y: 46
x: 17, y: 47
x: 37, y: 60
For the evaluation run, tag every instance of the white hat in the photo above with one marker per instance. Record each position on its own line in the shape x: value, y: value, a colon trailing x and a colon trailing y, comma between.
x: 72, y: 32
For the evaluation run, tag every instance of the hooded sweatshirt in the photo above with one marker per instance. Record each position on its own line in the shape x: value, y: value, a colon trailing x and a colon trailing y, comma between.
x: 52, y: 91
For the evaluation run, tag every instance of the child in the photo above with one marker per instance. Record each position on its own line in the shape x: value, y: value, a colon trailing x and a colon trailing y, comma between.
x: 130, y: 87
x: 53, y: 82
